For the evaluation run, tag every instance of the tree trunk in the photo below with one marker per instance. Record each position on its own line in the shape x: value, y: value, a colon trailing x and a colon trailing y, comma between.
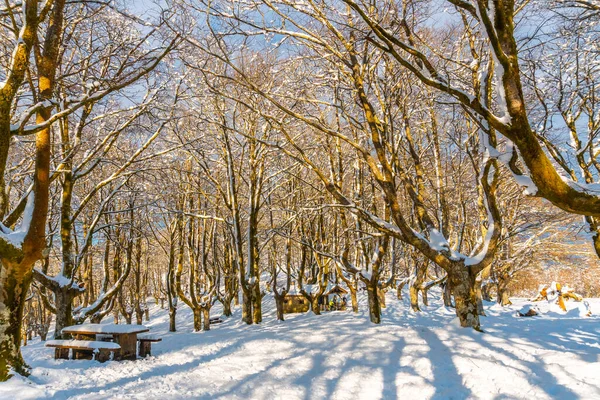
x: 374, y: 305
x: 353, y: 298
x: 64, y: 312
x: 399, y: 290
x: 414, y: 298
x: 246, y: 307
x: 206, y: 315
x: 381, y: 295
x: 279, y: 306
x: 447, y: 294
x: 416, y: 283
x: 504, y: 299
x: 14, y: 281
x: 227, y: 306
x: 479, y: 297
x: 139, y: 314
x: 424, y: 296
x: 464, y: 297
x: 115, y: 315
x: 485, y: 292
x: 172, y: 314
x: 197, y: 319
x: 256, y: 304
x: 502, y: 289
x: 315, y: 306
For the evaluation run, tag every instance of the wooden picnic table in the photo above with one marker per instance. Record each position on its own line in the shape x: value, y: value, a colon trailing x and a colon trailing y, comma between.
x: 125, y: 335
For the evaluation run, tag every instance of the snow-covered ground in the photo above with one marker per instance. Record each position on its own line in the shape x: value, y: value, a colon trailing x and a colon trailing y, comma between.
x: 340, y: 355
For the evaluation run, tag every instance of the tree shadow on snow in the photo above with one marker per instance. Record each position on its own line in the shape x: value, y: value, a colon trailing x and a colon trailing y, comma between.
x: 341, y: 360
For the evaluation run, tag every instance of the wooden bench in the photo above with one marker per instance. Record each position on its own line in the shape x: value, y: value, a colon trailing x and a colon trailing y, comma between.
x: 83, y: 349
x: 146, y: 344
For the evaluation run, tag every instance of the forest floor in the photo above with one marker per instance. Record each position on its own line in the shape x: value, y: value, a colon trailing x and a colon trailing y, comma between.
x: 340, y: 355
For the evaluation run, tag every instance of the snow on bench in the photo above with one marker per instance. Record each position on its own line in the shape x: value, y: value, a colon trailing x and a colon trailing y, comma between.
x: 145, y: 347
x: 149, y: 338
x: 83, y: 344
x: 83, y: 349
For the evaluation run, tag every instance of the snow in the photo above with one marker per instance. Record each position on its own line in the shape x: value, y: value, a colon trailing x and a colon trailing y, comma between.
x: 437, y: 241
x: 529, y: 307
x: 84, y: 343
x: 479, y: 257
x: 592, y: 189
x: 105, y: 328
x: 293, y: 290
x: 340, y: 355
x: 525, y: 181
x: 61, y: 280
x: 16, y: 237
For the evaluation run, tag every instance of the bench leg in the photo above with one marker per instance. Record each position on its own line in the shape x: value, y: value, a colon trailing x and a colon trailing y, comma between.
x: 145, y: 348
x: 83, y: 354
x: 61, y: 354
x: 103, y: 355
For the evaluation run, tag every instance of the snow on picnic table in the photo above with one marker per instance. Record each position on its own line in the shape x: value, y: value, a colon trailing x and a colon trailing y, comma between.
x: 340, y: 355
x: 106, y: 328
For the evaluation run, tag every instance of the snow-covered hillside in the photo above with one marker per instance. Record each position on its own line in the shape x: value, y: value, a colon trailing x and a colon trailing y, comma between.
x: 340, y: 355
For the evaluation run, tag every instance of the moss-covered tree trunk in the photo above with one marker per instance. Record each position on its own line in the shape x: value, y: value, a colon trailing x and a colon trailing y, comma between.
x: 374, y: 304
x: 64, y: 312
x: 227, y: 305
x: 463, y: 286
x: 279, y: 302
x: 256, y: 303
x: 414, y: 298
x: 314, y: 305
x: 197, y: 319
x: 353, y: 297
x: 399, y: 289
x: 279, y: 308
x: 15, y: 280
x: 206, y: 318
x: 246, y: 306
x: 381, y: 295
x: 502, y: 290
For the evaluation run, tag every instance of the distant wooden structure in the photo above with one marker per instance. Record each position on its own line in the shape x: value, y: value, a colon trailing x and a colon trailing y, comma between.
x: 295, y: 303
x: 335, y: 293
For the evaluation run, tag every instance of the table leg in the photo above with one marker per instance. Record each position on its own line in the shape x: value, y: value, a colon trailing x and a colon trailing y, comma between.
x: 128, y: 343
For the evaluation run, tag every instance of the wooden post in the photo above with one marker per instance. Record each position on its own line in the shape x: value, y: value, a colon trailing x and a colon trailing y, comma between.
x: 145, y: 348
x: 60, y: 353
x: 128, y: 343
x: 104, y: 354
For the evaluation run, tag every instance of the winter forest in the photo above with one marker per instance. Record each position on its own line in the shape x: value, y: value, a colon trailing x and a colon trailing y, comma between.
x: 300, y: 199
